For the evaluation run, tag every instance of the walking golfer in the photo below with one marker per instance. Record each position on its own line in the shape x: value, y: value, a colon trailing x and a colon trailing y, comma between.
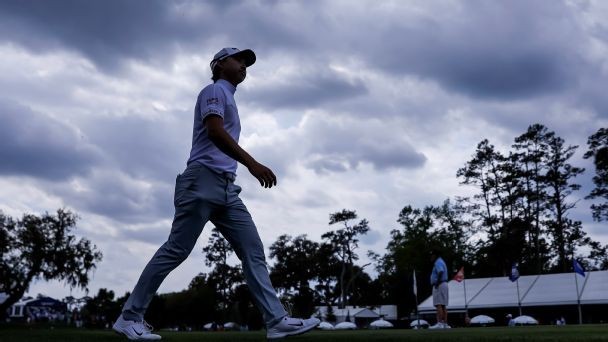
x: 439, y: 281
x: 205, y: 191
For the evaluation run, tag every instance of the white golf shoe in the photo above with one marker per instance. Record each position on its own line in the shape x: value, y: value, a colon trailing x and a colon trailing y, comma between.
x: 437, y: 326
x: 135, y: 330
x: 291, y: 326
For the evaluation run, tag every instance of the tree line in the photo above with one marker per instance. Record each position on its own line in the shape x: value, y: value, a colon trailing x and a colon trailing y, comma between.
x: 519, y: 212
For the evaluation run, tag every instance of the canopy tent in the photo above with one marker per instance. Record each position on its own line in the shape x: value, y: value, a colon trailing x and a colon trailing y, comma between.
x: 525, y: 320
x: 231, y: 326
x: 482, y: 320
x: 41, y: 308
x: 388, y: 312
x: 419, y: 323
x: 380, y: 324
x: 345, y: 326
x: 325, y: 326
x: 534, y: 290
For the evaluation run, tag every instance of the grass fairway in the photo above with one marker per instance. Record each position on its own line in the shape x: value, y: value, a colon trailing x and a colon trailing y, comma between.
x: 541, y: 333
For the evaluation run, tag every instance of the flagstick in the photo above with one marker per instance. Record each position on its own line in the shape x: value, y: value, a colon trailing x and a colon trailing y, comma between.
x: 578, y: 300
x: 518, y: 298
x: 416, y: 299
x: 466, y: 309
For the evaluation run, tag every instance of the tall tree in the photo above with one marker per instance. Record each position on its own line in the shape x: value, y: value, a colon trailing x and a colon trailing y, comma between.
x: 598, y: 149
x: 566, y: 234
x: 345, y: 241
x: 101, y: 309
x: 42, y: 247
x: 327, y: 273
x: 409, y: 250
x: 483, y: 171
x: 224, y: 276
x: 531, y: 150
x: 296, y: 265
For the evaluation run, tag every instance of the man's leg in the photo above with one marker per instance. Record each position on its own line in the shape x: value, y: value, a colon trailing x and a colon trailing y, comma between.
x: 236, y: 225
x: 439, y: 314
x: 184, y: 233
x: 191, y: 214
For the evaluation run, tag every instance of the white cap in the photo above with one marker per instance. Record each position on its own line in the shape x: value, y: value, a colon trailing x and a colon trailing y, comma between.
x: 230, y: 51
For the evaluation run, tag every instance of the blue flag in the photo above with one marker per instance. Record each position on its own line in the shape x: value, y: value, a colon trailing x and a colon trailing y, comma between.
x: 578, y: 268
x: 514, y: 273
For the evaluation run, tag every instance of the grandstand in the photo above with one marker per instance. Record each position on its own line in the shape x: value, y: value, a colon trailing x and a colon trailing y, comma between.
x: 544, y: 296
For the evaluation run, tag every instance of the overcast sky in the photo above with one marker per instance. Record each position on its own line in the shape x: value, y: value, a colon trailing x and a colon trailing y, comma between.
x: 366, y: 105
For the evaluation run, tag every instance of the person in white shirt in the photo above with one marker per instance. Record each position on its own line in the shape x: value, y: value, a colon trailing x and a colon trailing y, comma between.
x: 204, y: 192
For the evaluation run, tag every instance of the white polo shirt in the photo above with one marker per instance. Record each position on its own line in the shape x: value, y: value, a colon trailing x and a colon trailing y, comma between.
x: 215, y: 99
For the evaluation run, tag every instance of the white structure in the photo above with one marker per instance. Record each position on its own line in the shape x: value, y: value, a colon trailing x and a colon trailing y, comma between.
x: 41, y: 308
x: 345, y: 326
x: 482, y: 319
x: 325, y: 326
x: 525, y: 320
x: 419, y: 323
x: 388, y: 312
x: 534, y: 290
x: 380, y: 324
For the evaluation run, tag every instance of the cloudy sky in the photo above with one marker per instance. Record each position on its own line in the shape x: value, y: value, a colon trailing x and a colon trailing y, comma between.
x: 366, y: 105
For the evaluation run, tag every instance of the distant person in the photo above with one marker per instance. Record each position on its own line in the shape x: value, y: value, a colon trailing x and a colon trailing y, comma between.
x: 439, y: 281
x: 510, y: 320
x: 204, y: 192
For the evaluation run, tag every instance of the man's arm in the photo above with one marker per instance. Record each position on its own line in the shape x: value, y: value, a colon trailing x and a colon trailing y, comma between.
x: 218, y: 135
x: 439, y: 277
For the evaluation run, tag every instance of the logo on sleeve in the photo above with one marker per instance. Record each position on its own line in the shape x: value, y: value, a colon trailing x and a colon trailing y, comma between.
x: 213, y: 101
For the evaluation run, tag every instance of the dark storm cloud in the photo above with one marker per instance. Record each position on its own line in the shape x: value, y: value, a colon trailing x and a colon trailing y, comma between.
x: 340, y: 146
x: 307, y: 90
x: 33, y: 144
x: 152, y: 149
x: 155, y: 236
x: 103, y: 31
x: 485, y: 49
x: 108, y: 32
x: 118, y: 196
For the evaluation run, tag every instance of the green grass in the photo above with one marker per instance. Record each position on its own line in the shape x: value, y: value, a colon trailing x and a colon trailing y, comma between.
x: 540, y: 333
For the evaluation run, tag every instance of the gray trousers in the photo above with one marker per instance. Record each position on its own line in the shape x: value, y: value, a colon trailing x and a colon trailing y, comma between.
x: 203, y: 195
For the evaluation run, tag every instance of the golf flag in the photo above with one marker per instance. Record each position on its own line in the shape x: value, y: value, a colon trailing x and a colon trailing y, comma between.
x: 578, y: 268
x: 514, y: 273
x: 459, y: 275
x: 415, y: 286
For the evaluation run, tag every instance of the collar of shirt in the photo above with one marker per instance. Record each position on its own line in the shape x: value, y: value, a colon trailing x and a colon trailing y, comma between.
x: 229, y: 86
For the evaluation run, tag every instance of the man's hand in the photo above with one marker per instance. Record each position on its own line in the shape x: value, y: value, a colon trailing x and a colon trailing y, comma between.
x: 218, y: 135
x: 263, y: 174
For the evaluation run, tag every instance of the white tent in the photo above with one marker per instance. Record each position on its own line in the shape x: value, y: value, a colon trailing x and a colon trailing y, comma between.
x: 325, y: 326
x: 345, y: 326
x: 207, y: 326
x: 482, y: 319
x: 419, y: 323
x: 525, y: 320
x: 389, y: 312
x: 380, y: 324
x: 231, y: 326
x: 534, y: 290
